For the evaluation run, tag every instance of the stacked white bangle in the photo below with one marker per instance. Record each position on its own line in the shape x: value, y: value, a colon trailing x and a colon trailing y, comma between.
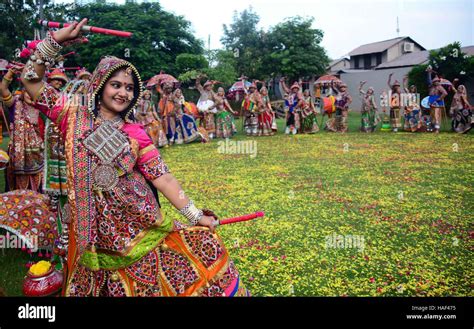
x: 192, y: 213
x: 47, y: 51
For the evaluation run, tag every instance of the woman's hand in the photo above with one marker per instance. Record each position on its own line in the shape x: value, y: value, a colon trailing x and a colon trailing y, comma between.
x: 69, y: 33
x: 208, y: 221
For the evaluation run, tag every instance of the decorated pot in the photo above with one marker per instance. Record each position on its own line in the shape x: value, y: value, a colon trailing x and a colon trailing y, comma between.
x: 47, y: 284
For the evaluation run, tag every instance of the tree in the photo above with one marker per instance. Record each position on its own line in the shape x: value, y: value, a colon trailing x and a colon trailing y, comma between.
x: 245, y: 41
x: 18, y: 23
x: 449, y: 62
x: 295, y: 50
x: 158, y: 37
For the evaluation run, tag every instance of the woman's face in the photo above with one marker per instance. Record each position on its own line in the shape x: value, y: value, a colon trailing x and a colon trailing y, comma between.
x: 118, y: 92
x: 461, y: 89
x: 306, y: 93
x: 147, y: 96
x: 178, y: 93
x: 264, y: 91
x: 57, y: 84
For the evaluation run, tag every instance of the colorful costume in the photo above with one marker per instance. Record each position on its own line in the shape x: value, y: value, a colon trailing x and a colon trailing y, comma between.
x: 412, y: 111
x: 369, y: 116
x: 167, y: 111
x: 461, y: 111
x: 225, y: 125
x: 55, y: 176
x: 186, y: 127
x: 119, y: 243
x: 265, y: 117
x: 146, y: 115
x: 206, y: 106
x: 309, y: 122
x: 26, y: 146
x: 437, y: 93
x: 251, y: 105
x: 342, y: 101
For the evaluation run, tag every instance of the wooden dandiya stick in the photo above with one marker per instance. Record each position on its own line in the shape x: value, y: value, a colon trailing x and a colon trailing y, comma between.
x: 239, y: 219
x: 87, y: 28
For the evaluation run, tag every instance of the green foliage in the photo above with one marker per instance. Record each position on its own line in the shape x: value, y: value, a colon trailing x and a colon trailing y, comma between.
x: 291, y: 48
x: 18, y: 19
x: 158, y: 37
x: 244, y: 39
x: 295, y: 49
x: 449, y: 62
x: 187, y: 62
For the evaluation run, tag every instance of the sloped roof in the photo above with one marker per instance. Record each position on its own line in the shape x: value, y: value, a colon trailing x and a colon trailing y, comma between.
x: 416, y: 58
x: 380, y: 46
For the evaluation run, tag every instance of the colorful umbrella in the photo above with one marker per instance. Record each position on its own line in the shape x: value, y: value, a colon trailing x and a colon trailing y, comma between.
x: 328, y: 79
x: 239, y: 86
x: 161, y: 78
x: 27, y: 214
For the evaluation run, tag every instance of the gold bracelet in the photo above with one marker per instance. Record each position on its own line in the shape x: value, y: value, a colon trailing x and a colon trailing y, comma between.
x: 8, y: 98
x: 8, y: 80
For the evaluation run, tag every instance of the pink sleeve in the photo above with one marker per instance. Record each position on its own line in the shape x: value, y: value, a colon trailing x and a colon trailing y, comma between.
x: 149, y: 162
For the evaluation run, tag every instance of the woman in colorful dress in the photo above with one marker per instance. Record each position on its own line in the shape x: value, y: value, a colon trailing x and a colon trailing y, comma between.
x: 206, y: 106
x: 395, y: 104
x: 294, y: 102
x: 265, y: 115
x: 309, y: 124
x: 167, y: 110
x: 461, y: 111
x: 148, y: 117
x: 342, y: 101
x: 225, y: 125
x: 412, y: 109
x: 251, y: 106
x: 26, y: 145
x: 438, y: 94
x: 186, y: 127
x: 369, y: 119
x: 119, y: 242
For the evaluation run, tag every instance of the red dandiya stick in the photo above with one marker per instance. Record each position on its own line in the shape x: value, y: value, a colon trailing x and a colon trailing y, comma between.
x: 72, y: 68
x: 87, y: 28
x: 243, y: 218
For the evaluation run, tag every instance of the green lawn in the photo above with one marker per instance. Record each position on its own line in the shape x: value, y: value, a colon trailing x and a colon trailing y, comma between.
x: 402, y: 203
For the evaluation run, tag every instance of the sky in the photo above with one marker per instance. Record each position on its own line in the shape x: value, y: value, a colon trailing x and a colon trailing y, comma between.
x: 346, y: 24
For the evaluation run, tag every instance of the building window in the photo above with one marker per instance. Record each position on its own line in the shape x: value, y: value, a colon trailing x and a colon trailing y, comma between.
x: 379, y: 58
x: 367, y: 62
x: 356, y: 62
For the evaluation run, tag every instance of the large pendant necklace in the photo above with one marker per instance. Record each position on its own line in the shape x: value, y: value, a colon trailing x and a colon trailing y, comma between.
x: 107, y: 142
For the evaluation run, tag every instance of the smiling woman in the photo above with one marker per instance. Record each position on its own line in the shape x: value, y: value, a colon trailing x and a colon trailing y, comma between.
x: 119, y: 244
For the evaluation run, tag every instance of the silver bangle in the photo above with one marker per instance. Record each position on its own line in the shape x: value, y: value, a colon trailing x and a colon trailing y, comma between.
x: 192, y: 213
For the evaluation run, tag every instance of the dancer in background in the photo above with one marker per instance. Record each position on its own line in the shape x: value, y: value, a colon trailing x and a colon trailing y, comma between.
x: 437, y: 93
x: 295, y: 104
x: 265, y: 115
x: 369, y: 116
x: 225, y: 124
x: 461, y: 110
x: 206, y: 106
x: 251, y: 106
x: 412, y: 109
x: 167, y: 110
x: 148, y: 117
x: 309, y: 123
x: 186, y: 127
x: 342, y: 101
x: 395, y: 104
x: 25, y: 150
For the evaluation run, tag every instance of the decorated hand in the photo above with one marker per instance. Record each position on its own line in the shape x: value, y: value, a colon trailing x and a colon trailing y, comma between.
x: 69, y: 33
x: 209, y: 220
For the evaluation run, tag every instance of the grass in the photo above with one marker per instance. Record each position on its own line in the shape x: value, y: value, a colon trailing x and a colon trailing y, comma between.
x: 400, y: 206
